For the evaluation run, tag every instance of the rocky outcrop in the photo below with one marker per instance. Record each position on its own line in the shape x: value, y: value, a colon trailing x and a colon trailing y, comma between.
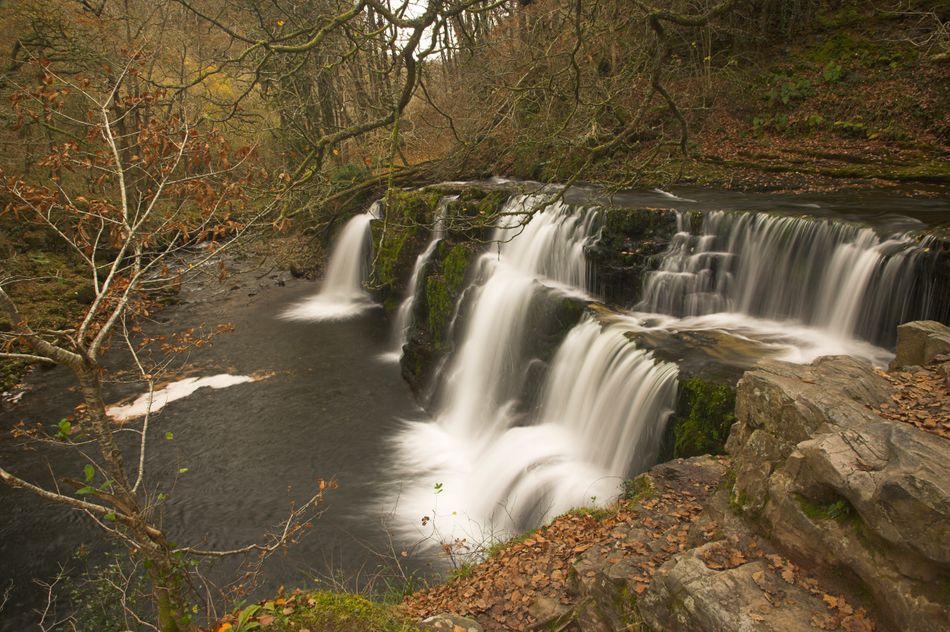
x: 844, y: 488
x: 921, y: 342
x: 630, y: 241
x: 686, y: 594
x: 449, y: 622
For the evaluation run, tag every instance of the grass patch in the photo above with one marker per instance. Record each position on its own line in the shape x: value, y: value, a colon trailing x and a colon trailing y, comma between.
x: 639, y: 488
x: 319, y: 612
x: 503, y: 545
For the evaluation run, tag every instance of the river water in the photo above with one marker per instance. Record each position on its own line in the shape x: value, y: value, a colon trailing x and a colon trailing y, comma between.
x: 250, y: 449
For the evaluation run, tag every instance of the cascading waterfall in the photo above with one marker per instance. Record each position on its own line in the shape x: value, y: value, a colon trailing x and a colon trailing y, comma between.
x: 498, y: 467
x: 342, y: 294
x: 832, y: 275
x: 403, y: 319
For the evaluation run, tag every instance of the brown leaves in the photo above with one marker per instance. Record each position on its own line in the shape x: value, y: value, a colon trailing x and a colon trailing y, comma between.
x: 500, y: 591
x: 922, y: 400
x: 723, y: 555
x: 839, y: 613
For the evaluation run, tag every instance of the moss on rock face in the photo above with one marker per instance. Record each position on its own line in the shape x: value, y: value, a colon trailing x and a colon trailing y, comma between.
x: 399, y: 238
x: 710, y: 414
x: 441, y: 285
x: 444, y: 284
x: 472, y: 217
x: 629, y: 242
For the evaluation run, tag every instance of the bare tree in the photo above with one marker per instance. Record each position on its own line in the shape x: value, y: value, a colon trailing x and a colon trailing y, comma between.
x: 125, y: 198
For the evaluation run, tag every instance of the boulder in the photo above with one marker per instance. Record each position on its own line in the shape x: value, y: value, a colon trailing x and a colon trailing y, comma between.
x: 688, y: 595
x: 843, y: 487
x: 448, y: 622
x: 780, y: 405
x: 920, y: 342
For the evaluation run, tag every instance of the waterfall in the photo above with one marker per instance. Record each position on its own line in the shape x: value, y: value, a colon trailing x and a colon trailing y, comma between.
x: 403, y: 319
x: 826, y: 274
x: 342, y: 294
x: 487, y: 466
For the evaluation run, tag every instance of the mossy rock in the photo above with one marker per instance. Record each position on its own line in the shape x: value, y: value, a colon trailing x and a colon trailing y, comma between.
x: 630, y: 243
x: 441, y: 285
x: 709, y: 414
x: 399, y: 238
x: 472, y: 217
x: 443, y: 288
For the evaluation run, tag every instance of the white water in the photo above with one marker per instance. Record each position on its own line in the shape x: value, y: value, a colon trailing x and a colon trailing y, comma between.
x: 829, y: 275
x: 485, y: 467
x: 342, y: 294
x: 150, y: 403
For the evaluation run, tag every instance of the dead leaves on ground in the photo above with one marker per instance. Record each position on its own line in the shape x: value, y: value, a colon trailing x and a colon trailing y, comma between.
x: 500, y: 591
x: 922, y: 400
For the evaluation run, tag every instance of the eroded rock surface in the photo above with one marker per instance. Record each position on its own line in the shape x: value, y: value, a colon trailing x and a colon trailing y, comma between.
x: 843, y: 487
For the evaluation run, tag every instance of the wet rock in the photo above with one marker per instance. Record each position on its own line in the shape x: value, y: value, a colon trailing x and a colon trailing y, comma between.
x: 920, y: 342
x: 688, y: 595
x: 448, y: 622
x: 845, y: 488
x: 630, y: 243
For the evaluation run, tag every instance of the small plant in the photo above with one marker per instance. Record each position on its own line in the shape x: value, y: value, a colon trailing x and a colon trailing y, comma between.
x: 639, y: 488
x: 833, y: 72
x: 839, y: 510
x: 788, y: 89
x: 244, y: 619
x: 814, y: 121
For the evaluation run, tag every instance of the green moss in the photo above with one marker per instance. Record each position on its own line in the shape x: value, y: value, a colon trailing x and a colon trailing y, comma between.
x: 737, y: 502
x: 336, y: 612
x: 443, y: 286
x: 838, y: 509
x: 440, y: 307
x: 711, y: 413
x: 399, y: 238
x: 628, y: 608
x: 639, y: 488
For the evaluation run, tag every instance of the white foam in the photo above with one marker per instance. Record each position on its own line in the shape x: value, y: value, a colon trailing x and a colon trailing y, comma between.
x: 174, y: 391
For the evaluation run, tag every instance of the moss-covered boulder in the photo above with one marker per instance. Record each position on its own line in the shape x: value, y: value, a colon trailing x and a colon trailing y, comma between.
x: 630, y: 243
x: 473, y: 214
x: 439, y: 289
x: 398, y: 238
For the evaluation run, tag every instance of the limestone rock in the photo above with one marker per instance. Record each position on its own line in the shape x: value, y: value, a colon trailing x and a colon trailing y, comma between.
x: 920, y: 342
x: 845, y: 488
x: 779, y: 405
x: 687, y: 595
x: 448, y: 622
